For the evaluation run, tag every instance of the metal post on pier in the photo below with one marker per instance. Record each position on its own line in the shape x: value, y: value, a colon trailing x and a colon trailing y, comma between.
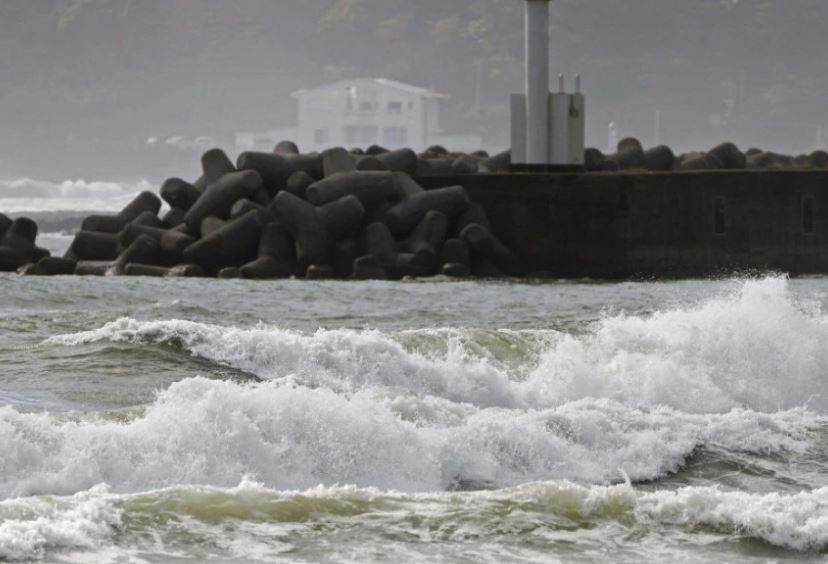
x: 547, y: 129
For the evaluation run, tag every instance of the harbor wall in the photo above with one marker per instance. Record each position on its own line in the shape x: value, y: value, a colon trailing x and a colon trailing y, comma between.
x: 667, y: 225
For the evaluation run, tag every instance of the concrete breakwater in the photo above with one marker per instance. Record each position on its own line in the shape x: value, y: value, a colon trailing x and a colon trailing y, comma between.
x: 337, y: 214
x: 390, y: 214
x: 631, y: 155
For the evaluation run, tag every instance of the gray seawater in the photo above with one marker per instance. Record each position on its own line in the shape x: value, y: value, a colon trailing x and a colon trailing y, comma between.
x: 188, y: 420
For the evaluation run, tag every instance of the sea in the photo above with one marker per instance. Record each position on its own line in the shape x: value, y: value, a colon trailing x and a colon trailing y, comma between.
x: 439, y: 421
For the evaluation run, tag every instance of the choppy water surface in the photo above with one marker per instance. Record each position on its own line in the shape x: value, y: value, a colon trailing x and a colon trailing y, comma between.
x: 189, y: 420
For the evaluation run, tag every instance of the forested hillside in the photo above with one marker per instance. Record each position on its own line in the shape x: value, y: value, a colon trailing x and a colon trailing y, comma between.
x: 88, y: 81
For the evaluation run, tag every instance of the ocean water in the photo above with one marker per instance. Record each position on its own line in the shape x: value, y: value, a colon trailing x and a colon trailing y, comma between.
x: 147, y: 420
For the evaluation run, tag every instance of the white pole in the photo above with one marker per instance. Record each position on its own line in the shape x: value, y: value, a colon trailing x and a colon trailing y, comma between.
x: 537, y: 82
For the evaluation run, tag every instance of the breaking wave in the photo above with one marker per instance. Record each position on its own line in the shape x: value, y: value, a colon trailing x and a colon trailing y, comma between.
x: 292, y: 437
x: 31, y: 195
x: 264, y: 522
x: 757, y: 349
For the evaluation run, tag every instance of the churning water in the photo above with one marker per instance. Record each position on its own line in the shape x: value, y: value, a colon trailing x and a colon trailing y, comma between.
x: 188, y: 420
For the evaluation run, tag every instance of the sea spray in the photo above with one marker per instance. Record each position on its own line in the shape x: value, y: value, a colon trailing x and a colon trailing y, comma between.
x: 292, y: 437
x: 757, y: 348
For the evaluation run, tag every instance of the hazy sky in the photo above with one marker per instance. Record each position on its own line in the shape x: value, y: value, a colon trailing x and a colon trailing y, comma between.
x: 86, y: 82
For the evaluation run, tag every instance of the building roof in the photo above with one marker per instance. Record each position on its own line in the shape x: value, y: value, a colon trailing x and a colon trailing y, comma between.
x: 417, y: 90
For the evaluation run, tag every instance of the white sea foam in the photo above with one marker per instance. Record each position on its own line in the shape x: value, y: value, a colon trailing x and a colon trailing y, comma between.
x: 436, y: 409
x: 32, y: 195
x: 30, y: 527
x: 757, y: 348
x: 341, y: 360
x: 253, y: 521
x: 292, y: 437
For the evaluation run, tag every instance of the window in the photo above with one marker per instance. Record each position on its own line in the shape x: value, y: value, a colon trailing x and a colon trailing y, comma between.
x: 320, y: 136
x: 719, y: 216
x: 361, y: 134
x: 395, y: 108
x: 395, y: 135
x: 808, y: 215
x: 366, y: 106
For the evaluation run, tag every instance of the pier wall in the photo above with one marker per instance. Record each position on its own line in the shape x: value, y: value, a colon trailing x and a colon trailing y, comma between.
x: 621, y: 225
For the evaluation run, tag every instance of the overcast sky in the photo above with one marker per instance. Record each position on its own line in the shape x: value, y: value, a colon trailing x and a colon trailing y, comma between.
x: 87, y: 82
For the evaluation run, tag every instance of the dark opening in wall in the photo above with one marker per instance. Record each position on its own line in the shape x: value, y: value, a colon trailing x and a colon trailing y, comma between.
x: 808, y: 215
x: 719, y: 216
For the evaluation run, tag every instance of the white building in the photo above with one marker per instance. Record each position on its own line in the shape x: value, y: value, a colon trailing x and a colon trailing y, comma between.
x: 364, y: 112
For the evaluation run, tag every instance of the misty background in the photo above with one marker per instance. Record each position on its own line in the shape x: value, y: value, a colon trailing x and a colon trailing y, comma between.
x: 86, y: 83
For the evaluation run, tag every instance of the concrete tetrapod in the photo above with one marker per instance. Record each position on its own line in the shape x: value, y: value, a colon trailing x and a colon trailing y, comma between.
x: 344, y: 254
x: 228, y: 273
x: 404, y: 216
x: 276, y: 255
x: 287, y: 148
x: 431, y: 231
x: 17, y: 245
x: 369, y: 187
x: 173, y: 218
x: 148, y: 219
x: 406, y: 186
x: 342, y: 217
x: 455, y: 270
x: 179, y: 193
x: 313, y: 242
x: 337, y: 160
x: 593, y: 159
x: 699, y: 161
x: 475, y: 214
x: 465, y: 164
x: 145, y: 201
x: 378, y: 241
x: 629, y: 144
x: 298, y: 183
x: 729, y: 155
x: 214, y: 164
x: 630, y: 157
x: 500, y: 162
x: 368, y: 163
x: 368, y: 267
x: 401, y: 160
x: 142, y: 250
x: 276, y: 169
x: 171, y: 244
x: 440, y: 166
x: 53, y: 266
x: 819, y: 159
x: 243, y: 206
x: 234, y: 244
x: 94, y: 246
x: 219, y: 198
x: 39, y: 253
x: 455, y: 251
x: 209, y: 225
x: 485, y: 247
x: 5, y: 223
x: 375, y: 150
x: 659, y: 159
